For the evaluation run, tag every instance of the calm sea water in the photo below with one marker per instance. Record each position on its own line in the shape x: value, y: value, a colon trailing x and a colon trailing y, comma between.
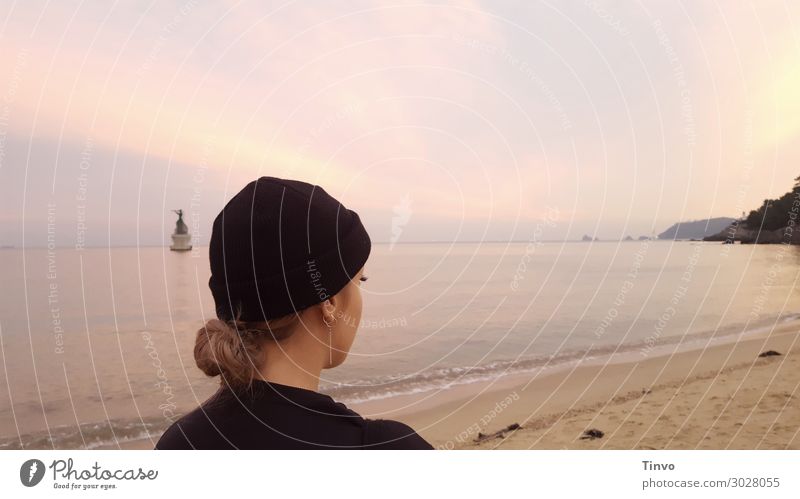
x: 97, y: 344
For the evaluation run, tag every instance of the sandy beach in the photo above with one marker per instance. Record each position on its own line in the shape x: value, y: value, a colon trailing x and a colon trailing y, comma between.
x: 720, y: 396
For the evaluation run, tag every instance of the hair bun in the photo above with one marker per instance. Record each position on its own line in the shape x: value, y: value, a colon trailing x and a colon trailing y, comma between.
x: 209, y: 342
x: 220, y: 350
x: 233, y: 349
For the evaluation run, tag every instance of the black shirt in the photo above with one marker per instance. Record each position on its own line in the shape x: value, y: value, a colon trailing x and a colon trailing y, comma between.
x: 275, y: 416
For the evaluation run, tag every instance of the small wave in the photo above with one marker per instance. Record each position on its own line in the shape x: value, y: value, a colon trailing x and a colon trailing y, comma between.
x: 383, y: 387
x: 88, y: 435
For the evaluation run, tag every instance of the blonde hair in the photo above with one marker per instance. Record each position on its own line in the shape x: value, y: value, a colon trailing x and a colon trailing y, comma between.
x: 232, y: 349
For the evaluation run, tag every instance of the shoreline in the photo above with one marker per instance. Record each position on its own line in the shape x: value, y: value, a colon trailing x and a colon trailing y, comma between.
x: 405, y: 405
x: 657, y: 401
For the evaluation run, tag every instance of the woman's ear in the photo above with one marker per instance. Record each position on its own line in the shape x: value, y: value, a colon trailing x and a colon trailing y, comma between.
x: 328, y: 308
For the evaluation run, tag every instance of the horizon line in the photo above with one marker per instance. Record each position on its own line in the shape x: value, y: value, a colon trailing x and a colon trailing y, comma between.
x: 382, y: 243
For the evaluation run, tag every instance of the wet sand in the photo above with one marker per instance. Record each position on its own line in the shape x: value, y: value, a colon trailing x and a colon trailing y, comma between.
x: 721, y: 397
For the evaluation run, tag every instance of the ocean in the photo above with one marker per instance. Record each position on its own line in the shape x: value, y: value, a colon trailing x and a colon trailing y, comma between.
x: 96, y: 344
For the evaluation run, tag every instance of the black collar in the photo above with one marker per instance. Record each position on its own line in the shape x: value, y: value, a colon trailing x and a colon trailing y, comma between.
x: 267, y: 393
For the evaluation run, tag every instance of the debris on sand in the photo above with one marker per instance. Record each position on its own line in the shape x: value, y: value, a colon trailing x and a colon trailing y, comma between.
x: 592, y: 434
x: 769, y: 353
x: 498, y: 434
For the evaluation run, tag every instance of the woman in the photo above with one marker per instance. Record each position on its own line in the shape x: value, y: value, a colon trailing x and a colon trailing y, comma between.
x: 287, y: 261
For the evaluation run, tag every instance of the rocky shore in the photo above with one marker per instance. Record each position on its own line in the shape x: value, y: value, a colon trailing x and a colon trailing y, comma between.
x: 739, y: 232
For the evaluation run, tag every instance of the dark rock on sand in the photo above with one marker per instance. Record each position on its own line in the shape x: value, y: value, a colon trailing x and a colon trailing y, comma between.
x: 592, y: 434
x: 769, y: 353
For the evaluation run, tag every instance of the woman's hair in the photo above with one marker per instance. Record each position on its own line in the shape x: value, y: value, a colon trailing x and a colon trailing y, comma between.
x: 232, y: 349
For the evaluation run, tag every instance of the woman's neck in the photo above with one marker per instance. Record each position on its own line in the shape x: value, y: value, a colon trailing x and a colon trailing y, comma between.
x: 281, y: 367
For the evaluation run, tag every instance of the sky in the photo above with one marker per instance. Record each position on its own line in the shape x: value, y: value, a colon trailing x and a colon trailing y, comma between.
x: 450, y: 120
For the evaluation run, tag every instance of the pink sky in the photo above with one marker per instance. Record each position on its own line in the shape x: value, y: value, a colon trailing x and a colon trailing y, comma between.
x: 484, y: 115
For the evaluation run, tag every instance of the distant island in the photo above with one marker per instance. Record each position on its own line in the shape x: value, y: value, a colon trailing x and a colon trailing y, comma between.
x: 696, y: 229
x: 772, y: 223
x: 587, y: 238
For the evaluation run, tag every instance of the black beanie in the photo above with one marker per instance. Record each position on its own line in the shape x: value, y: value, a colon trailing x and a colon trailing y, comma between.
x: 279, y: 246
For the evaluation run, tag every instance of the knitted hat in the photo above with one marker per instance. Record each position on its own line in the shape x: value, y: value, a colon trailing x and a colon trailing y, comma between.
x: 279, y: 246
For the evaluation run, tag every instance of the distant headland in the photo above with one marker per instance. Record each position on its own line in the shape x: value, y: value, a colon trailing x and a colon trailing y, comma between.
x: 772, y: 223
x: 696, y: 229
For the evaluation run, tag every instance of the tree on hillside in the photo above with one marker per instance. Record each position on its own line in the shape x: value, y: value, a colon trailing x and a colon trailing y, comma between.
x: 773, y: 214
